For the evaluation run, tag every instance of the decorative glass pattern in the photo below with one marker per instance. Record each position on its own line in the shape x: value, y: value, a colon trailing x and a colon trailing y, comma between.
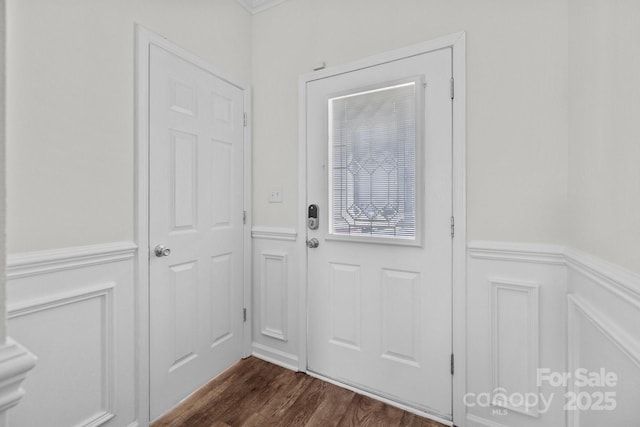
x: 372, y: 158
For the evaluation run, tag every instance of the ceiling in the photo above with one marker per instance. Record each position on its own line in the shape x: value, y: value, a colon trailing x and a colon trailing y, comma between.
x: 255, y: 6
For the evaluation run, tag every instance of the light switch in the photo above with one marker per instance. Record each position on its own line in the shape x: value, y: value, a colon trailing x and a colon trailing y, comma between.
x: 275, y: 195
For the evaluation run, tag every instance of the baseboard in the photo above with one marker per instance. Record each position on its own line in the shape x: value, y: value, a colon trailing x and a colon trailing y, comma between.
x: 277, y: 357
x: 476, y: 421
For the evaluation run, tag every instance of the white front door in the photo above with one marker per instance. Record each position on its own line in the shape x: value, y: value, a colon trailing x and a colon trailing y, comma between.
x: 196, y: 211
x: 379, y: 165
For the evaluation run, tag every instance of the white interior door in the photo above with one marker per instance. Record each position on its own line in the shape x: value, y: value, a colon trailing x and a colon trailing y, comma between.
x: 379, y: 165
x: 196, y: 210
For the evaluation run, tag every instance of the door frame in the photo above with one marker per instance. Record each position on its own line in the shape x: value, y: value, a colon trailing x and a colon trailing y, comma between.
x: 457, y: 44
x: 144, y: 38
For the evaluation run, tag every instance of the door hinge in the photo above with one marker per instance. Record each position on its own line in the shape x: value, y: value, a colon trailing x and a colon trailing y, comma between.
x: 244, y: 217
x: 453, y: 227
x: 451, y: 363
x: 245, y: 119
x: 244, y: 314
x: 452, y: 88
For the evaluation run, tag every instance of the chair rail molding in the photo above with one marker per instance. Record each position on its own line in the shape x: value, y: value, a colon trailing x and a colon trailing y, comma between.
x: 513, y: 251
x: 43, y: 262
x: 274, y: 233
x: 623, y: 283
x: 15, y: 363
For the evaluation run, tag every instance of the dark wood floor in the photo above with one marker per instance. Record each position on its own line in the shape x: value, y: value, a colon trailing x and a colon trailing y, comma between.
x: 257, y: 393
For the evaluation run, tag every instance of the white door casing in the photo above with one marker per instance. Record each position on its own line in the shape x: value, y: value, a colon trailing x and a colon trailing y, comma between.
x: 379, y: 309
x: 196, y: 187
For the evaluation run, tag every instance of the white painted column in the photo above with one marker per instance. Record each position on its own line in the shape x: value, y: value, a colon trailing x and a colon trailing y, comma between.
x: 15, y: 360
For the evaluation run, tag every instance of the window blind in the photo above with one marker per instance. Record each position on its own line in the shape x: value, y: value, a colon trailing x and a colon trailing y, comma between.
x: 372, y: 157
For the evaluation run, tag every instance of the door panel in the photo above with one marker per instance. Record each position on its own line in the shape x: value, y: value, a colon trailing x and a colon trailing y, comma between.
x: 401, y: 316
x: 195, y: 205
x: 379, y: 284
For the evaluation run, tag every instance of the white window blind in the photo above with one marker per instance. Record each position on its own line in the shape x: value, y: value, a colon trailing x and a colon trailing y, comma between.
x: 372, y: 157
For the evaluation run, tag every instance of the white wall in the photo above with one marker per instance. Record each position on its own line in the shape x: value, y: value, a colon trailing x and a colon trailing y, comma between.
x: 3, y: 246
x: 71, y: 293
x: 70, y: 109
x: 604, y: 138
x: 516, y: 99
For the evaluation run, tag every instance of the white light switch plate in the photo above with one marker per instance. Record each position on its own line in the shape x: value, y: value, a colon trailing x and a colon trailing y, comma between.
x: 275, y: 195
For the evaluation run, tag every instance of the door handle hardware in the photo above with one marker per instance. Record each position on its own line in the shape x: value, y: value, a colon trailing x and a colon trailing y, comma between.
x: 312, y: 217
x: 313, y: 243
x: 162, y: 250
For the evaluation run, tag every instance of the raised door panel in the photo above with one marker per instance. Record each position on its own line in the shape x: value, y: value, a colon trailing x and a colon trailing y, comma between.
x: 184, y: 188
x: 401, y: 316
x: 345, y: 302
x: 184, y: 312
x: 221, y: 183
x: 221, y: 298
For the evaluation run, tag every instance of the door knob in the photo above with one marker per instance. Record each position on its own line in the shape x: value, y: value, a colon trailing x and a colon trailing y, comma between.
x: 162, y: 250
x: 313, y: 243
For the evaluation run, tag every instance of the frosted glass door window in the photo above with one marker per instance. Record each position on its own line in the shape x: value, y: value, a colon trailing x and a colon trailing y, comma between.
x: 372, y: 158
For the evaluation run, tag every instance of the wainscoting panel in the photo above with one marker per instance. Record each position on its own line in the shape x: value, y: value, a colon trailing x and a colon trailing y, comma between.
x: 92, y: 399
x: 603, y: 316
x: 514, y: 341
x: 514, y: 294
x: 74, y: 309
x: 515, y: 325
x: 594, y: 339
x: 276, y: 320
x: 273, y: 295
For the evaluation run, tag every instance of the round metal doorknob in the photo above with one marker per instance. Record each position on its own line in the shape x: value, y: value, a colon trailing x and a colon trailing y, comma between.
x: 313, y: 243
x: 162, y: 250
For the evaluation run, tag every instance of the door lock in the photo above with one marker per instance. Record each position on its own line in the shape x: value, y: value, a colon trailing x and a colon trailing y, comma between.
x: 162, y: 250
x: 312, y: 217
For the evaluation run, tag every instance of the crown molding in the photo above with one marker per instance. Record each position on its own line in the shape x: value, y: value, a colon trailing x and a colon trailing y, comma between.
x: 255, y: 6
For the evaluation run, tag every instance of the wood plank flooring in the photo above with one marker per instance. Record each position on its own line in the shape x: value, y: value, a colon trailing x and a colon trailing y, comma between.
x: 257, y: 393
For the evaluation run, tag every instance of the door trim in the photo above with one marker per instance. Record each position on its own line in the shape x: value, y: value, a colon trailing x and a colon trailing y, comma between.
x: 144, y: 38
x: 458, y: 46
